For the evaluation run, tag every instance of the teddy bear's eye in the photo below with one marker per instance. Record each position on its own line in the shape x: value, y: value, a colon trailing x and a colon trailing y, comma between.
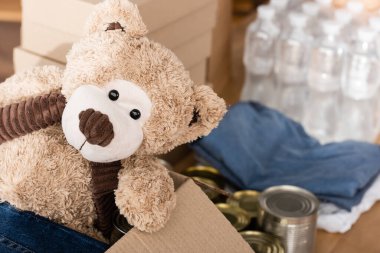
x: 135, y: 114
x: 113, y: 95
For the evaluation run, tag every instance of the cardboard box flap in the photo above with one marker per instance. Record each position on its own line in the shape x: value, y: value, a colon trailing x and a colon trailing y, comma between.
x: 196, y: 225
x: 178, y: 179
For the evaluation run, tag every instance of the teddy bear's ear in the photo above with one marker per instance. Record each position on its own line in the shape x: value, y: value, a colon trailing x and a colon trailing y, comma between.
x: 116, y: 15
x: 208, y: 111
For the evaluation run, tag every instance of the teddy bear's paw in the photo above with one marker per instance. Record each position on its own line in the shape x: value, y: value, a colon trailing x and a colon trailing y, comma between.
x: 151, y: 220
x: 146, y: 198
x: 149, y: 217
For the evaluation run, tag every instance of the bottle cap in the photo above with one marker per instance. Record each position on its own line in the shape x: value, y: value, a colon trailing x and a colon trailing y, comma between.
x: 366, y: 34
x: 266, y: 12
x: 343, y: 16
x: 279, y: 4
x: 355, y: 7
x: 374, y: 23
x: 330, y: 27
x: 311, y: 9
x: 324, y: 3
x: 297, y: 19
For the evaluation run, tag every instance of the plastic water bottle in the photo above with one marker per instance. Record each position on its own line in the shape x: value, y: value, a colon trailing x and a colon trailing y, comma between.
x: 292, y: 56
x: 374, y: 23
x: 326, y: 8
x: 324, y: 80
x: 258, y: 58
x: 360, y: 86
x: 344, y: 18
x: 358, y: 12
x: 311, y: 9
x: 281, y: 11
x: 260, y: 42
x: 292, y: 50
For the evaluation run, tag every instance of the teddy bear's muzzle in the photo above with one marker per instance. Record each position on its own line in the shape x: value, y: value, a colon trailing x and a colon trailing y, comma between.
x: 96, y: 127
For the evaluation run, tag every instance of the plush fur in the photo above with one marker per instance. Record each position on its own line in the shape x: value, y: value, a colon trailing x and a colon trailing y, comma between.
x: 41, y: 172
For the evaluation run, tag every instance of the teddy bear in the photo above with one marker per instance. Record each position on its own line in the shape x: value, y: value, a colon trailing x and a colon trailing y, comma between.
x: 78, y: 143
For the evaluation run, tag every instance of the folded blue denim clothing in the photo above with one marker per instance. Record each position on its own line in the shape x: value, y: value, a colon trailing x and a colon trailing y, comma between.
x: 257, y: 147
x: 25, y: 232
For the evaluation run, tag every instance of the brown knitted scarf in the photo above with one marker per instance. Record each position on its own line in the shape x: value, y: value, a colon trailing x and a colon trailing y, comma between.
x: 37, y: 113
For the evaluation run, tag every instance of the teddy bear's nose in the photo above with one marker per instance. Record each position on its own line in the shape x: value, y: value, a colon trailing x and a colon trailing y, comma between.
x: 96, y: 127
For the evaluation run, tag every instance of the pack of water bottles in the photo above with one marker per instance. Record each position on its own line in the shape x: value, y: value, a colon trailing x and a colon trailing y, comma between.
x: 318, y: 64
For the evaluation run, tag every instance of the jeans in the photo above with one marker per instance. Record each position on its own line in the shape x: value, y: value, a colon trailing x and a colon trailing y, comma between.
x: 26, y: 232
x: 256, y: 147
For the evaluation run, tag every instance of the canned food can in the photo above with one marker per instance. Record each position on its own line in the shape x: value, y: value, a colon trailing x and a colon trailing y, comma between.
x: 290, y: 213
x: 262, y: 242
x: 206, y: 172
x: 120, y: 227
x: 235, y: 215
x: 247, y: 200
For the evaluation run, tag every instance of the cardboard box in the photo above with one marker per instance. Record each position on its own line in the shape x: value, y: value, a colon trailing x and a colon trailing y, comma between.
x: 171, y: 36
x: 23, y: 59
x: 219, y: 69
x: 195, y: 226
x: 58, y: 14
x: 55, y: 44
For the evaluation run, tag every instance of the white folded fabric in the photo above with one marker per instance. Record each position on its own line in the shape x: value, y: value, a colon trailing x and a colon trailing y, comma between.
x: 335, y: 220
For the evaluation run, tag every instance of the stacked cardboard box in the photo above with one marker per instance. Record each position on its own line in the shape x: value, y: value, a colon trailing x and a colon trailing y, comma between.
x: 50, y: 27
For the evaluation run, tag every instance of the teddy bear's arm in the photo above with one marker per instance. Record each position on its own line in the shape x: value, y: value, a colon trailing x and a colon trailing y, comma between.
x: 33, y: 114
x: 145, y: 195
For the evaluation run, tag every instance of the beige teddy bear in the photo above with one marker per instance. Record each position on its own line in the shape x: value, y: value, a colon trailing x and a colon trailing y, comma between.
x: 122, y: 99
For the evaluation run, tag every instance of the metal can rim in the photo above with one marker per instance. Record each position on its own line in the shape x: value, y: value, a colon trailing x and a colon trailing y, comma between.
x: 279, y: 218
x: 237, y: 212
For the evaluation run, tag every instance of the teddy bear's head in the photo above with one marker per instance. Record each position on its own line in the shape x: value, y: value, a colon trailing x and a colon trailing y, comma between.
x: 129, y: 95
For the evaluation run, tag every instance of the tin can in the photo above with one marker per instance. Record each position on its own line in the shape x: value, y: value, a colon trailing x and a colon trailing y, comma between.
x: 206, y: 172
x: 247, y: 200
x: 120, y: 227
x: 290, y: 213
x: 262, y: 242
x: 235, y: 215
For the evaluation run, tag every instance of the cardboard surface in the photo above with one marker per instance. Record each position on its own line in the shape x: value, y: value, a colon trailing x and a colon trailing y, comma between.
x: 196, y: 226
x: 47, y: 41
x: 24, y: 59
x: 55, y: 44
x: 59, y: 15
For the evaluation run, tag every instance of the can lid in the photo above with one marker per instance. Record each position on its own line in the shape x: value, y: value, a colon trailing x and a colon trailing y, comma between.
x: 207, y: 169
x: 262, y: 242
x: 247, y: 200
x: 235, y: 215
x: 288, y: 202
x: 205, y: 172
x: 120, y: 223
